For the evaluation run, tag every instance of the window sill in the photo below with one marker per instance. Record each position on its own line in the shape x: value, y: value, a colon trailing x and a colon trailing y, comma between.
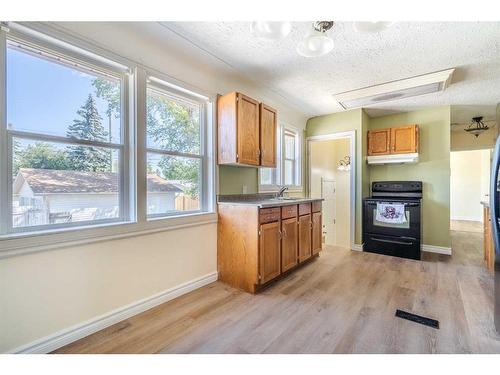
x: 25, y: 243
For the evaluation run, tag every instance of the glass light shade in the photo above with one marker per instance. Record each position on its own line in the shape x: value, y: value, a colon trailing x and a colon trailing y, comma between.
x: 315, y: 44
x: 271, y: 29
x: 371, y: 27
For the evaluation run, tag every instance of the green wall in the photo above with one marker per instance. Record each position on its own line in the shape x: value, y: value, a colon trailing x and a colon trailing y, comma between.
x: 433, y: 168
x: 232, y: 179
x: 340, y: 122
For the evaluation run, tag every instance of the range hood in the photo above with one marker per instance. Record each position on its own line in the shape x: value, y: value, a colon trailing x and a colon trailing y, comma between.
x: 393, y: 159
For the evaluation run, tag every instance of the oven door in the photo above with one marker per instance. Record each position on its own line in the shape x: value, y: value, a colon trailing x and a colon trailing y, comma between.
x: 409, y: 229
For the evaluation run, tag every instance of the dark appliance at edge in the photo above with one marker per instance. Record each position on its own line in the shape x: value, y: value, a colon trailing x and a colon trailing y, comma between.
x: 495, y: 223
x: 396, y: 239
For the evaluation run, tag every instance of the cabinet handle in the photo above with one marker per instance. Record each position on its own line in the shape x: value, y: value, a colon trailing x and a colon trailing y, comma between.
x: 284, y: 233
x: 280, y: 234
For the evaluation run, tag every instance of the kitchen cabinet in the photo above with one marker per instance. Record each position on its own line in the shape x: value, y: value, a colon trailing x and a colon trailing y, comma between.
x: 393, y: 141
x: 268, y: 129
x: 305, y: 226
x: 257, y: 245
x: 246, y: 131
x: 404, y: 139
x: 289, y: 244
x: 488, y: 244
x: 316, y: 233
x: 379, y: 142
x: 269, y: 251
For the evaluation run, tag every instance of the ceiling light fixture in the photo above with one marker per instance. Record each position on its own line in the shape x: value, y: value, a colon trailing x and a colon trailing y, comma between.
x: 371, y: 27
x: 477, y: 126
x: 316, y: 43
x: 271, y: 29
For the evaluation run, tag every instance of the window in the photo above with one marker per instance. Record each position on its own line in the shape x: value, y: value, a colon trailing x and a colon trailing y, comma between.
x: 291, y: 165
x: 66, y: 155
x: 175, y: 161
x: 288, y: 164
x: 65, y: 140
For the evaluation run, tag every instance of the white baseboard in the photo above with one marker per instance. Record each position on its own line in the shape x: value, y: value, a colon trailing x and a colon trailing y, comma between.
x: 468, y: 218
x: 69, y: 335
x: 356, y: 247
x: 437, y: 249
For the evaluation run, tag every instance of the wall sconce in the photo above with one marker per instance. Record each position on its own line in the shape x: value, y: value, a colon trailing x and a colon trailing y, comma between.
x: 345, y: 164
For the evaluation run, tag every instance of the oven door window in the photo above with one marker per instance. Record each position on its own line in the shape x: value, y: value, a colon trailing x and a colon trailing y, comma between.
x: 392, y: 225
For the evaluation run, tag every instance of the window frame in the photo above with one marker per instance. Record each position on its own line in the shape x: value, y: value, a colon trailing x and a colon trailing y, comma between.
x: 133, y: 123
x: 170, y: 90
x: 51, y: 52
x: 279, y: 171
x: 297, y: 162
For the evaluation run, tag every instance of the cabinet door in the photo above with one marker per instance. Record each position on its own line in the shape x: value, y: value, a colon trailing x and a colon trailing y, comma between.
x: 404, y: 140
x: 316, y: 233
x: 269, y: 251
x: 379, y: 142
x: 268, y: 125
x: 289, y: 244
x: 248, y: 130
x: 304, y: 237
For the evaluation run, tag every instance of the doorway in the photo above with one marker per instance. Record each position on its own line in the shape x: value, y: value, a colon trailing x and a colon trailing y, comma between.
x: 331, y: 177
x: 469, y: 186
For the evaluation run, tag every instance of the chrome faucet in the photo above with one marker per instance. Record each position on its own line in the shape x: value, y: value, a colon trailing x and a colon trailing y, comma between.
x: 282, y: 190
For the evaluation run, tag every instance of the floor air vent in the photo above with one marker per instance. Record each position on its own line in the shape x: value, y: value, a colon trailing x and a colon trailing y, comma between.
x: 418, y: 319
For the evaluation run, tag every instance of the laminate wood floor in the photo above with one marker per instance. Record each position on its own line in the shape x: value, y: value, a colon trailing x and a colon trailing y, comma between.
x: 343, y: 302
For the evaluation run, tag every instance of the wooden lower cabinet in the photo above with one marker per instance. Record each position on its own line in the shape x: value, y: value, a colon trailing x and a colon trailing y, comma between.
x: 488, y: 244
x: 304, y: 237
x: 316, y: 233
x: 256, y: 246
x: 289, y: 244
x: 269, y: 251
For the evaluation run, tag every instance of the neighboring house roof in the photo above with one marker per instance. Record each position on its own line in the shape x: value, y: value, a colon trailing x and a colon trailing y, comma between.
x: 49, y: 181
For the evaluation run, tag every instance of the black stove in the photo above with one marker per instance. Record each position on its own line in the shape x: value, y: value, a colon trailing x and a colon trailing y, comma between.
x: 392, y: 219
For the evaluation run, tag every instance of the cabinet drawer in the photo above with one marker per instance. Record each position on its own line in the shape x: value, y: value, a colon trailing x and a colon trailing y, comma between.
x: 316, y: 206
x: 288, y: 211
x: 304, y: 209
x: 267, y: 215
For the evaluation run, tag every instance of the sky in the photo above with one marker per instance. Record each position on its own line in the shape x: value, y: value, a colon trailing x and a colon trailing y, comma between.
x: 44, y: 97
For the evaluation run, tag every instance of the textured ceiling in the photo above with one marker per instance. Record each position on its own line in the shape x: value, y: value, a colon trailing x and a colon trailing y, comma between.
x: 358, y: 60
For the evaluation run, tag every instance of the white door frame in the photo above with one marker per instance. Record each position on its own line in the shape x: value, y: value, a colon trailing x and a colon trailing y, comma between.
x: 351, y: 135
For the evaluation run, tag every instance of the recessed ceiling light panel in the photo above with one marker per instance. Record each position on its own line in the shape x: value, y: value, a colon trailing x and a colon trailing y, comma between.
x: 395, y: 90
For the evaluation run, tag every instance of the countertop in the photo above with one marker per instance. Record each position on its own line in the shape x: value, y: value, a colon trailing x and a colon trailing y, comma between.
x: 262, y: 200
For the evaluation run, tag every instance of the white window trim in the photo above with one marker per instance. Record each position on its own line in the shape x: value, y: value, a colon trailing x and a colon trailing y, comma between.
x: 168, y: 89
x: 298, y: 186
x: 13, y: 244
x: 280, y: 162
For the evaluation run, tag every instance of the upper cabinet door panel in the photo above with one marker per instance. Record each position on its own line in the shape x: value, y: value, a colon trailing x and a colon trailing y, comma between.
x: 268, y: 129
x: 226, y: 118
x: 379, y: 142
x: 404, y: 139
x: 248, y: 130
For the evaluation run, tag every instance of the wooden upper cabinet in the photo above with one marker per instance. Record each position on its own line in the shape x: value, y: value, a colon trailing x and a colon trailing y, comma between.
x: 397, y: 140
x: 404, y: 139
x: 268, y: 129
x: 269, y: 251
x: 246, y: 131
x: 379, y: 142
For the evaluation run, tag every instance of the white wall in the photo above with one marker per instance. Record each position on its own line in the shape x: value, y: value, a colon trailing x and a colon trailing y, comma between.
x: 45, y: 292
x: 469, y: 184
